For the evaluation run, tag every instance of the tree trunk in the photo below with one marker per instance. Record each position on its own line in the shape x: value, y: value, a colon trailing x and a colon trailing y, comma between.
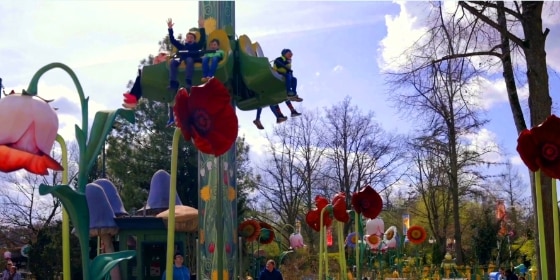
x: 508, y: 74
x: 540, y: 106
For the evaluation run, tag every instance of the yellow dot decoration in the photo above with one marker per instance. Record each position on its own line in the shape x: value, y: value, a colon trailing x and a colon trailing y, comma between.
x: 231, y: 193
x: 205, y: 193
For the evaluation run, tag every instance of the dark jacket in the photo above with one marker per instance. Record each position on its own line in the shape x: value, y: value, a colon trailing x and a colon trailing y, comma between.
x: 270, y: 275
x: 194, y: 47
x: 282, y: 65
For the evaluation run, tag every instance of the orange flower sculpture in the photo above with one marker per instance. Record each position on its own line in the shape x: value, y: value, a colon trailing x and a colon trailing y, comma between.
x: 28, y: 137
x: 267, y: 235
x: 207, y: 117
x: 250, y: 230
x: 416, y: 234
x: 313, y: 217
x: 367, y: 202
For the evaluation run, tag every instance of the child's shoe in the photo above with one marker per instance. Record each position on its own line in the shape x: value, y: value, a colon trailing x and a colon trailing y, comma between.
x: 258, y: 124
x: 281, y: 119
x: 294, y: 97
x: 170, y: 123
x: 295, y: 114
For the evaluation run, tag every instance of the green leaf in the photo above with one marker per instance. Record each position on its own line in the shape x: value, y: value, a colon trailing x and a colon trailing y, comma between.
x: 102, y: 125
x: 102, y: 264
x: 76, y: 205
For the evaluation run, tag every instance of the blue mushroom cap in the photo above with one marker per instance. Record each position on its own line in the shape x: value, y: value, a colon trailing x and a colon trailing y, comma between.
x: 158, y: 197
x: 113, y: 196
x: 101, y: 215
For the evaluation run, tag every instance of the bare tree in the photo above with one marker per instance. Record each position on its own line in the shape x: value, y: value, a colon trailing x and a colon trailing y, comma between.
x: 360, y: 152
x: 21, y: 206
x: 438, y: 94
x: 292, y: 176
x: 531, y: 41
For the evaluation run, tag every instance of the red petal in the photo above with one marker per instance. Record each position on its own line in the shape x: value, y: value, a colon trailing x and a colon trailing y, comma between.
x: 213, y: 96
x: 338, y: 196
x: 528, y: 149
x: 548, y: 131
x: 182, y: 114
x: 321, y: 202
x: 13, y: 159
x: 339, y: 211
x: 214, y: 102
x: 367, y: 202
x: 312, y: 219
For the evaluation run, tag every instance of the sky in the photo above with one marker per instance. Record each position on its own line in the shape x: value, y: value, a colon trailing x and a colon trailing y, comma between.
x: 340, y: 49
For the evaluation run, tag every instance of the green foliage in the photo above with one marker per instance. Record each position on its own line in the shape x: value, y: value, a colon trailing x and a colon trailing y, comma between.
x: 484, y: 235
x: 44, y: 260
x: 136, y: 151
x: 246, y: 181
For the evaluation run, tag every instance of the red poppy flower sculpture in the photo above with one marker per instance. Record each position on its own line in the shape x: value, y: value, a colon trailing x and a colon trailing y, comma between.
x: 28, y: 131
x: 339, y: 208
x: 367, y: 202
x: 416, y: 234
x: 207, y: 117
x: 313, y: 217
x: 539, y: 147
x: 250, y: 230
x: 267, y: 233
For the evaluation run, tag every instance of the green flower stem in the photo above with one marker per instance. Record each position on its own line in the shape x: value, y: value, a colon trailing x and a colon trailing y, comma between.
x: 172, y: 195
x: 556, y: 226
x: 220, y: 214
x: 357, y: 230
x: 65, y: 219
x: 32, y: 90
x: 341, y: 254
x: 540, y: 221
x: 321, y: 241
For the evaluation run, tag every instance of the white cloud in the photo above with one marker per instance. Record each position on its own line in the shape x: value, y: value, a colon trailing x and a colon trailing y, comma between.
x: 484, y: 142
x: 487, y: 93
x: 516, y: 160
x: 338, y: 68
x: 402, y: 32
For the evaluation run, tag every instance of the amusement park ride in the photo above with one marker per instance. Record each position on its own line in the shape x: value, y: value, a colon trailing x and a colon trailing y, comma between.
x: 244, y: 80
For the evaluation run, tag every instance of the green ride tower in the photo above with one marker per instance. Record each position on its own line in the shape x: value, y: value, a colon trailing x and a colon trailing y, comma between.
x: 217, y: 246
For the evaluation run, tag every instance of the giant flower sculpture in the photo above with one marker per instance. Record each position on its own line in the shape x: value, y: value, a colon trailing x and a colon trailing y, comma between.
x: 337, y: 207
x: 207, y: 117
x: 539, y: 147
x: 28, y: 132
x: 250, y: 230
x: 367, y: 202
x: 416, y: 234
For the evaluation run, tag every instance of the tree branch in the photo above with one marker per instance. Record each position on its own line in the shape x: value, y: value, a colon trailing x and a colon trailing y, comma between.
x: 493, y: 24
x: 461, y: 55
x: 492, y: 5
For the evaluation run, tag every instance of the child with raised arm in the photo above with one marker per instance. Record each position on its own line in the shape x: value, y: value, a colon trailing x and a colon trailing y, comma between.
x: 191, y: 56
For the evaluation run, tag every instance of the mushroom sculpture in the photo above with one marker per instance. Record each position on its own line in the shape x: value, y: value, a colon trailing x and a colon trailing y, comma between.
x: 158, y: 197
x: 113, y: 197
x: 102, y: 220
x: 186, y: 218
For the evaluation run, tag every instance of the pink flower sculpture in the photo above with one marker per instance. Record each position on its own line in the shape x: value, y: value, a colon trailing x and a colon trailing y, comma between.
x: 296, y: 240
x: 28, y: 131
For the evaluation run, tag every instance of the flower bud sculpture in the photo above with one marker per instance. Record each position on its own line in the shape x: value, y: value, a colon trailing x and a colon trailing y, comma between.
x: 27, y: 138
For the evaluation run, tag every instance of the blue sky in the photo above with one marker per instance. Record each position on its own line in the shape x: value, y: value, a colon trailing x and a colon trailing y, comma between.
x: 339, y: 49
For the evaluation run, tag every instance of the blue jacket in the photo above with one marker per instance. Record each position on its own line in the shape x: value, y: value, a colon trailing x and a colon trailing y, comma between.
x: 270, y: 275
x: 194, y: 47
x: 179, y: 273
